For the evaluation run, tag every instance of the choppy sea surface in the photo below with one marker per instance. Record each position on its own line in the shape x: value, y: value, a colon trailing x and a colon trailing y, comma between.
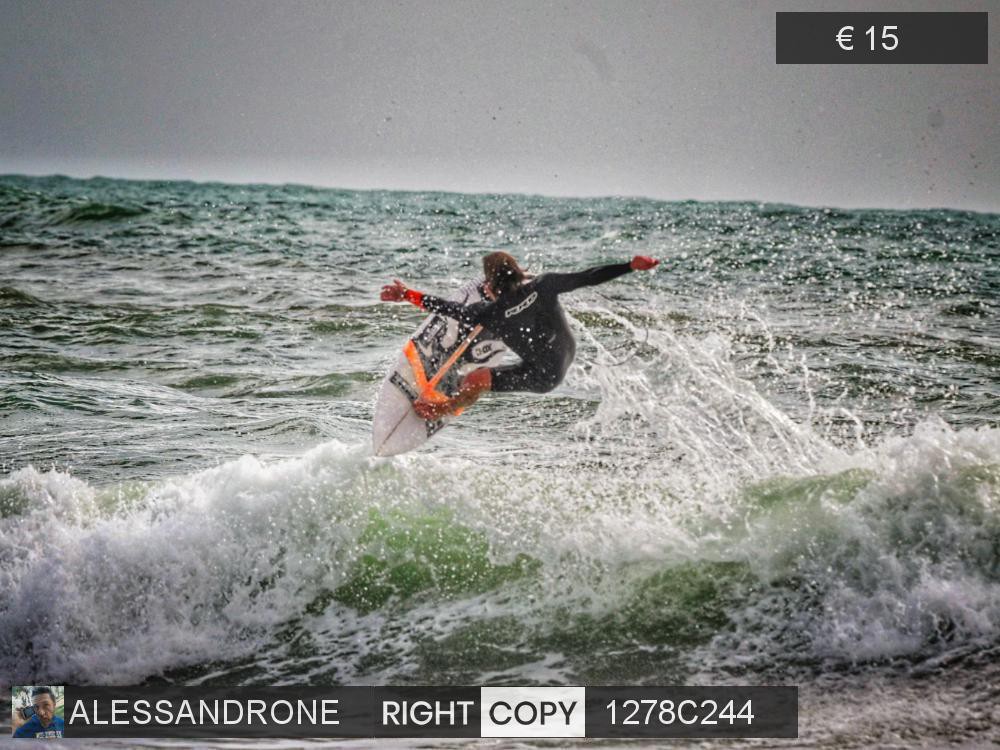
x: 776, y: 459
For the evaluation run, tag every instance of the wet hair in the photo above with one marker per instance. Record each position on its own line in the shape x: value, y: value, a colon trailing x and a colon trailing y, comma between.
x: 502, y: 272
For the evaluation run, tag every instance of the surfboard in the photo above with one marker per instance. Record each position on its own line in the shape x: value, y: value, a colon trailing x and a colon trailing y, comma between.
x: 396, y: 428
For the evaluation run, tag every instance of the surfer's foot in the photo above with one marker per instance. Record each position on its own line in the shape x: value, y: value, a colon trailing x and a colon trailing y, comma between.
x: 432, y: 410
x: 473, y: 386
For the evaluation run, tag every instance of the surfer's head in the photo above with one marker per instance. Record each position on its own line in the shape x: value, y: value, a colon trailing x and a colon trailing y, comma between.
x: 43, y: 699
x: 502, y: 273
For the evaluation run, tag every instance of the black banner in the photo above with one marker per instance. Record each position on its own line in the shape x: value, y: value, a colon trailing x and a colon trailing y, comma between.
x: 425, y: 712
x: 894, y: 38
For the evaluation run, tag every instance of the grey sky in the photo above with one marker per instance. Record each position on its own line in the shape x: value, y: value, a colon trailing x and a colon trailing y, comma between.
x: 666, y: 99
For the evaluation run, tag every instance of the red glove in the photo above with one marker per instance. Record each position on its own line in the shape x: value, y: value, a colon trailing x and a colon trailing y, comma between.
x: 393, y: 292
x: 643, y: 263
x: 397, y: 292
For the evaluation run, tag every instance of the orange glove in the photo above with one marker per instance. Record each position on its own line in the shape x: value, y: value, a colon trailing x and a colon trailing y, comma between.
x: 643, y: 263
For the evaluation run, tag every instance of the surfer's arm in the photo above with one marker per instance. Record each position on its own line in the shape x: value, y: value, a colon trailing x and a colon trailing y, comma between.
x: 398, y: 292
x: 567, y: 282
x: 473, y: 314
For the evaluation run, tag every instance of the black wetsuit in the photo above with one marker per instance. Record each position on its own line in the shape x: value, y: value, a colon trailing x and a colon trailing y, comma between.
x: 532, y: 324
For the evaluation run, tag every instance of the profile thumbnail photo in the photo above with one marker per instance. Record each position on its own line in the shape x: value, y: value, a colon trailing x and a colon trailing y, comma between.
x: 37, y: 711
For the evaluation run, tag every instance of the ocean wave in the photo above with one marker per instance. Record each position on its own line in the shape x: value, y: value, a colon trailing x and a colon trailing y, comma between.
x: 13, y: 297
x: 97, y: 212
x: 894, y: 556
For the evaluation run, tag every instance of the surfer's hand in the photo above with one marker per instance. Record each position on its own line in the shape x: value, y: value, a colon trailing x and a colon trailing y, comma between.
x: 643, y: 263
x: 394, y: 292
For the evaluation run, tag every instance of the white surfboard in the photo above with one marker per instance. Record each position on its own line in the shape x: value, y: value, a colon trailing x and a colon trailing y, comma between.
x: 396, y: 428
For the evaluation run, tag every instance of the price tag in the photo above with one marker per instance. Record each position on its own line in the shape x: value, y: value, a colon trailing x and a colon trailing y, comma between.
x: 901, y: 38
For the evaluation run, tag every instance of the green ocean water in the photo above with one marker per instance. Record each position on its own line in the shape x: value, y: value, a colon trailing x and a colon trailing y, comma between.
x: 776, y: 458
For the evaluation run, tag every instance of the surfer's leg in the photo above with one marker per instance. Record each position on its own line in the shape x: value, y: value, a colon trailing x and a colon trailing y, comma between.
x: 540, y: 374
x: 534, y: 377
x: 537, y: 377
x: 473, y: 386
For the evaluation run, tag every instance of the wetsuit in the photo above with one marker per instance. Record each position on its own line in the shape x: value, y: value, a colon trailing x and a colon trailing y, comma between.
x: 530, y: 321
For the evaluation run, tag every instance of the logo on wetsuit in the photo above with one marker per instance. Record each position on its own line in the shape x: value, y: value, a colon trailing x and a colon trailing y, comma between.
x: 483, y: 350
x: 522, y: 306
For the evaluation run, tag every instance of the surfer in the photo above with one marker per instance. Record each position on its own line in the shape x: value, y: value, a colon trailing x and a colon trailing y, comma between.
x: 523, y: 312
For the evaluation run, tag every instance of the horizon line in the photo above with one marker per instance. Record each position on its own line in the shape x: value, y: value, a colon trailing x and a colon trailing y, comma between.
x: 534, y: 194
